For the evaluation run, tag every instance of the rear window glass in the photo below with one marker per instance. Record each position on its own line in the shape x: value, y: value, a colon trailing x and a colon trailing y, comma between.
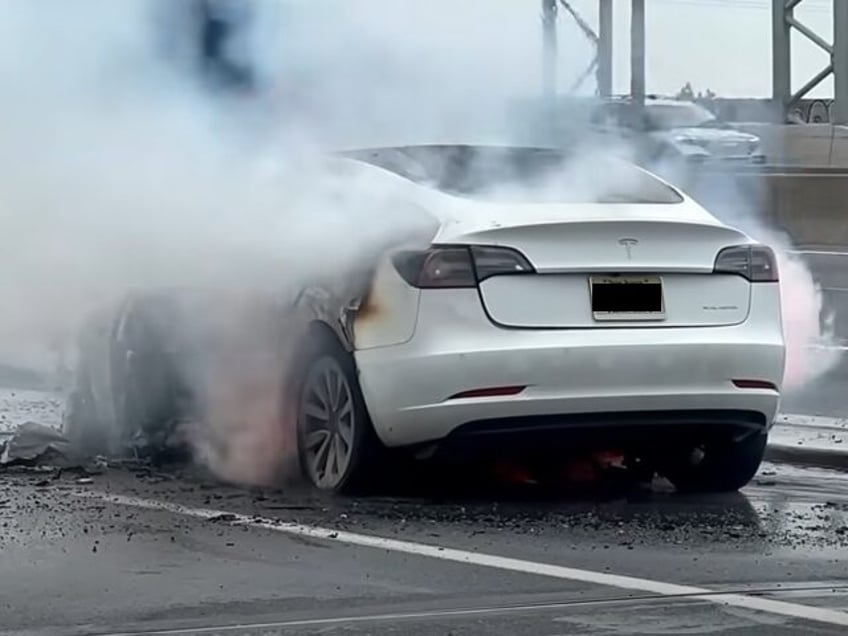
x: 532, y: 175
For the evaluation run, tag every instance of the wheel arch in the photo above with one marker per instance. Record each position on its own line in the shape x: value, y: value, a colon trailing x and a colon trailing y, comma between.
x: 321, y: 313
x: 320, y: 333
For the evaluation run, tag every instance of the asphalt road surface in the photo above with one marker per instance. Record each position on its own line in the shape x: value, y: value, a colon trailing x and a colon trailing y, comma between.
x: 134, y: 552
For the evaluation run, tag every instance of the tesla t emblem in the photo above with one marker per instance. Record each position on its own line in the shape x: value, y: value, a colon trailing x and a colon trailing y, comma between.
x: 628, y: 244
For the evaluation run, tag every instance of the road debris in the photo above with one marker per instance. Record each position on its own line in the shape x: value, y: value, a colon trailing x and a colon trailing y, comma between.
x: 167, y: 444
x: 33, y: 443
x: 41, y: 450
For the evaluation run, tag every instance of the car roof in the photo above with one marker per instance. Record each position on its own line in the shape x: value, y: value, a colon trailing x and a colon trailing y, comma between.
x: 653, y: 100
x: 478, y: 171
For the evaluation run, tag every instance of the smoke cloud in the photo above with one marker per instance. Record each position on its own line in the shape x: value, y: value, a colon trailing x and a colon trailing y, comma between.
x: 124, y: 169
x: 126, y: 164
x: 808, y: 326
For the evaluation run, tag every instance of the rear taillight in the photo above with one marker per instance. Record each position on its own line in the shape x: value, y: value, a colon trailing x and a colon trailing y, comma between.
x: 441, y: 267
x: 458, y: 266
x: 497, y: 261
x: 754, y: 262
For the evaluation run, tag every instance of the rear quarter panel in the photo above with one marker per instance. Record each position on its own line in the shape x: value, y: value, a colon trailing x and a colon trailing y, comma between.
x: 388, y: 313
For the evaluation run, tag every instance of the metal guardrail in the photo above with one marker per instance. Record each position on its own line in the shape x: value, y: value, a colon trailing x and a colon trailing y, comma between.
x: 779, y: 170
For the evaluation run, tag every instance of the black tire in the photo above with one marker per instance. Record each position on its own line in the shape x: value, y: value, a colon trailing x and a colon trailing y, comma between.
x: 718, y: 467
x: 356, y: 474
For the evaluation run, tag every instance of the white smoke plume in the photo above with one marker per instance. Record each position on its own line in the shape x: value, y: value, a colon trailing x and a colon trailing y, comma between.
x: 120, y: 170
x: 808, y: 326
x: 811, y: 349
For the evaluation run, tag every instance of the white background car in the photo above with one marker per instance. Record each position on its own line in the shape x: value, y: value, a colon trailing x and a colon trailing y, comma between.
x: 678, y: 130
x: 546, y: 310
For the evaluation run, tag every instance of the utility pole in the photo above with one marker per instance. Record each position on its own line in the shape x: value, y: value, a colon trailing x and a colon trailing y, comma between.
x: 549, y: 63
x: 549, y: 49
x: 605, y: 49
x: 637, y: 53
x: 781, y: 57
x: 839, y: 111
x: 784, y: 24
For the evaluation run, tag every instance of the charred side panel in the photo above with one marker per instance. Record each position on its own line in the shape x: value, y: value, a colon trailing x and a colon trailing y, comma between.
x: 388, y: 311
x: 318, y: 304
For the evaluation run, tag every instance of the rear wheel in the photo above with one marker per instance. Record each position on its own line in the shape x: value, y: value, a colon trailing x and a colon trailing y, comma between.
x: 724, y: 466
x: 336, y: 443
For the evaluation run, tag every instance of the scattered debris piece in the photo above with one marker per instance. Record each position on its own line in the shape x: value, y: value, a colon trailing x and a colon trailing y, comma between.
x: 130, y: 464
x: 167, y: 444
x: 223, y: 518
x: 33, y: 444
x: 287, y: 507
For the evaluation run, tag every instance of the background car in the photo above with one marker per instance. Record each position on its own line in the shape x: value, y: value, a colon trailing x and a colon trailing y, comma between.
x: 545, y: 305
x: 670, y: 129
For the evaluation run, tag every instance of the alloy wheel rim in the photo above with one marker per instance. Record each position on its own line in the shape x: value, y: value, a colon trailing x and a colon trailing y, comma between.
x: 327, y: 422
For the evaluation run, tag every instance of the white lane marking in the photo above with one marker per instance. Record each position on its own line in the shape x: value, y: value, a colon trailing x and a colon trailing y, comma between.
x: 375, y: 618
x: 829, y: 347
x: 818, y: 252
x: 782, y: 608
x: 813, y: 421
x: 447, y: 613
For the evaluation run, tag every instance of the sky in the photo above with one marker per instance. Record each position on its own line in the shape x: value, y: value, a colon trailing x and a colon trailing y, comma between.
x: 724, y: 45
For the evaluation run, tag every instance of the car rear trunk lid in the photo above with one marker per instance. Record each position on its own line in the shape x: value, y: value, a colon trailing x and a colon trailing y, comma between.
x: 606, y: 274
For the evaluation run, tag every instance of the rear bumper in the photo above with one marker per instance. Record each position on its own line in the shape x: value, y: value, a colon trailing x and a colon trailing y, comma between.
x: 639, y: 432
x: 408, y: 388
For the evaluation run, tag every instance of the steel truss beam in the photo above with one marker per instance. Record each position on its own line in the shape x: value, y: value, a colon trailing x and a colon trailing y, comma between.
x: 784, y: 23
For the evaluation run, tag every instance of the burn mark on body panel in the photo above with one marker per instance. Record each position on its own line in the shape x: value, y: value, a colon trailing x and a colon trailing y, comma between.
x: 378, y: 317
x: 364, y: 312
x: 341, y: 306
x: 386, y: 313
x: 368, y: 308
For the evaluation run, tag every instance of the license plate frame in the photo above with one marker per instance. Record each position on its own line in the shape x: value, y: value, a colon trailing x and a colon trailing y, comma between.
x: 609, y: 281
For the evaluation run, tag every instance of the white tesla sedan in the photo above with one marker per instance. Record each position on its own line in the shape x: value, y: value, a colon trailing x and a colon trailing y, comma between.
x: 549, y: 309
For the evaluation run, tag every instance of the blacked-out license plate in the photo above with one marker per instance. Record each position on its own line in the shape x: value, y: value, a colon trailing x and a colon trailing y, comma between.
x: 627, y: 297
